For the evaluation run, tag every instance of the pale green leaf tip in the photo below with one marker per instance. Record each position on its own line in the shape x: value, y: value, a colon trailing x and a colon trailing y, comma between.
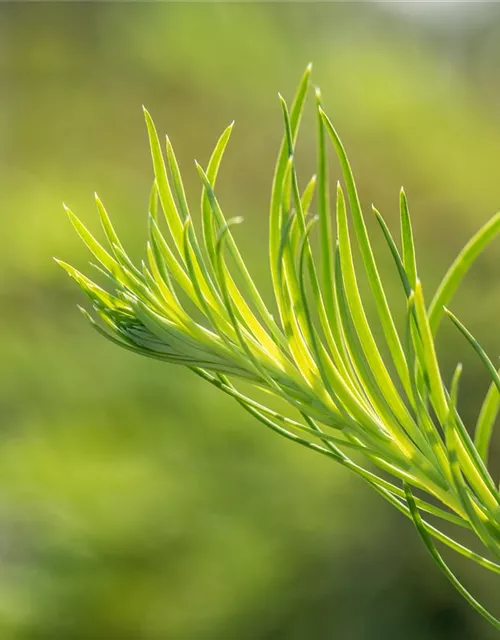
x: 309, y: 67
x: 85, y: 313
x: 201, y: 172
x: 147, y: 115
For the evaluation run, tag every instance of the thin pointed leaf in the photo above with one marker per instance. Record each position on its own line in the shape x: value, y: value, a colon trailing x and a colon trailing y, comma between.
x: 459, y: 269
x: 441, y: 563
x: 409, y: 260
x: 486, y: 421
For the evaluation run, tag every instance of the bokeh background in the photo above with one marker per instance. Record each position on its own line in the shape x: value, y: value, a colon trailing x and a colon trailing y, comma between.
x: 136, y: 503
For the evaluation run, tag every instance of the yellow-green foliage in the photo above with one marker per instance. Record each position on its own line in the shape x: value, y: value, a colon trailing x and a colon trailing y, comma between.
x: 193, y: 302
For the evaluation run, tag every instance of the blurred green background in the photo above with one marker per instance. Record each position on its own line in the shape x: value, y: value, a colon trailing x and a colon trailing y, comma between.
x: 136, y: 503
